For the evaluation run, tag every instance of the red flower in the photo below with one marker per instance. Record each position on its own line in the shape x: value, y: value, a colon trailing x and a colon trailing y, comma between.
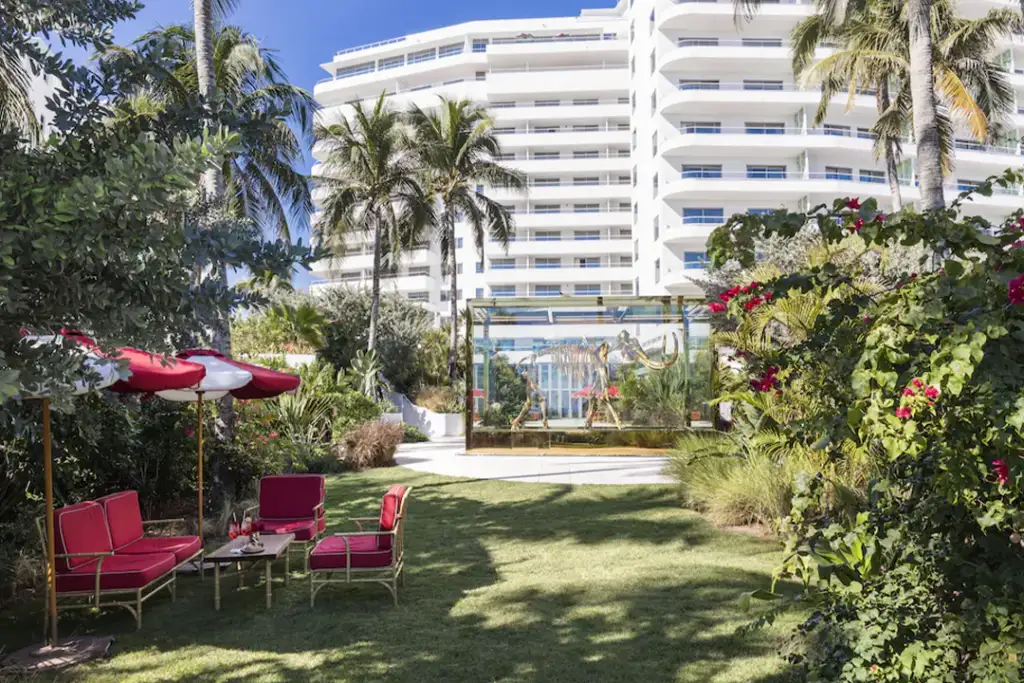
x: 272, y: 435
x: 880, y: 218
x: 189, y: 432
x: 909, y: 392
x: 932, y: 392
x: 767, y: 381
x: 753, y: 303
x: 768, y: 296
x: 853, y: 203
x: 1015, y: 291
x: 903, y: 412
x: 857, y: 225
x: 917, y: 382
x: 716, y: 307
x: 1002, y: 470
x: 867, y: 318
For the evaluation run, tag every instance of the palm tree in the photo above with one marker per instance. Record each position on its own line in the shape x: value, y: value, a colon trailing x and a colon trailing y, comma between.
x: 17, y: 115
x: 922, y: 87
x: 457, y: 148
x: 874, y: 52
x: 203, y: 12
x: 302, y: 324
x: 253, y: 98
x: 371, y: 185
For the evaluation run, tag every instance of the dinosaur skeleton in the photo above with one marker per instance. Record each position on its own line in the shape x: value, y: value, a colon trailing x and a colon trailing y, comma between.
x: 582, y: 362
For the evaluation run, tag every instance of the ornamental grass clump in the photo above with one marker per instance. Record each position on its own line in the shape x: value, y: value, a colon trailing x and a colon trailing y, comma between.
x: 371, y: 444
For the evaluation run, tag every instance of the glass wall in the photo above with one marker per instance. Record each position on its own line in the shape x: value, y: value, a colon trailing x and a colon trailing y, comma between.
x: 609, y: 373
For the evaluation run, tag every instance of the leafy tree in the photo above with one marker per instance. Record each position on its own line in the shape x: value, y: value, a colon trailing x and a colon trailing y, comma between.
x: 371, y: 186
x: 507, y: 393
x: 874, y: 48
x: 456, y: 149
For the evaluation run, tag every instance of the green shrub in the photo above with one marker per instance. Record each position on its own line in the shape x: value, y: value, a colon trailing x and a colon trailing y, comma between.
x: 371, y: 444
x: 413, y: 435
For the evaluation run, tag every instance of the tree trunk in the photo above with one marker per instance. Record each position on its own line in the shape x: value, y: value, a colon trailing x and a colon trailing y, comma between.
x: 371, y: 342
x: 202, y: 19
x: 922, y: 90
x: 891, y: 163
x: 453, y: 337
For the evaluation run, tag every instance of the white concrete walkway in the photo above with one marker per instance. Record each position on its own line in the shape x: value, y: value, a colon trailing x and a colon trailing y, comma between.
x: 443, y: 457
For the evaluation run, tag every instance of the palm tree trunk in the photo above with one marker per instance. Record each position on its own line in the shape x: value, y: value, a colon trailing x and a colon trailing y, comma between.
x: 371, y: 342
x: 202, y: 18
x: 453, y: 336
x: 891, y: 169
x: 922, y: 89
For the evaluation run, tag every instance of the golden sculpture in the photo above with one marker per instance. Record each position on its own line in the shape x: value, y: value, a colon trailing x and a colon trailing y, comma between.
x: 588, y: 362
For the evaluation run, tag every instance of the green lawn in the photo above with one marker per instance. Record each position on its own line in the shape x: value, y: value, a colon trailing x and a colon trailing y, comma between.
x: 506, y: 582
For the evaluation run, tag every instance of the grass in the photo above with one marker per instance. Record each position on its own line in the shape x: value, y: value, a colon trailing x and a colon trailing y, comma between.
x: 509, y: 582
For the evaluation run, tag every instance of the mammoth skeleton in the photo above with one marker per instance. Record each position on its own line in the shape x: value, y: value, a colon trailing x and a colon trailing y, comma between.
x: 588, y: 362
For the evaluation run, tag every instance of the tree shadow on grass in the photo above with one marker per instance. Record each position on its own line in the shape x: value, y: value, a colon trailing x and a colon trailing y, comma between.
x: 505, y: 583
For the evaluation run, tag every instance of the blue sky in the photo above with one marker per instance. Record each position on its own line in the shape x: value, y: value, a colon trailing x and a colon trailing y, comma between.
x: 307, y: 33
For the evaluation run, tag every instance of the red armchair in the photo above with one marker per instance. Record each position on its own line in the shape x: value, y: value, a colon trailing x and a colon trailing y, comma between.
x: 364, y: 556
x: 89, y: 574
x: 127, y: 531
x: 291, y: 504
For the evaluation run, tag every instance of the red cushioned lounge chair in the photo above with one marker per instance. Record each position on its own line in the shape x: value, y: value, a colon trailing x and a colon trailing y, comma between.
x: 90, y: 574
x: 364, y: 556
x: 128, y: 531
x: 291, y: 504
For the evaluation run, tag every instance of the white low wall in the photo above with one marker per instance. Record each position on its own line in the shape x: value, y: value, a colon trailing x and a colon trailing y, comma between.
x: 434, y: 425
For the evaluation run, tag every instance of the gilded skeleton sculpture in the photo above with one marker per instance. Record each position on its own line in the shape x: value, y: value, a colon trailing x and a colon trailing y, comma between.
x: 587, y: 362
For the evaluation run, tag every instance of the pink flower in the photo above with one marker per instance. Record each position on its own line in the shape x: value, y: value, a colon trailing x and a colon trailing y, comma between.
x: 909, y: 392
x: 857, y: 225
x: 903, y: 412
x: 932, y: 392
x: 917, y: 382
x: 189, y: 432
x: 880, y: 218
x: 1002, y: 470
x: 753, y: 303
x: 272, y: 435
x: 768, y: 296
x: 716, y: 307
x: 867, y: 318
x: 1015, y: 291
x: 853, y: 203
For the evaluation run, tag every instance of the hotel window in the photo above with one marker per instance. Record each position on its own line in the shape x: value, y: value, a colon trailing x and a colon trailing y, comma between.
x: 623, y: 206
x: 586, y: 154
x: 625, y: 233
x: 545, y: 128
x: 480, y: 45
x: 703, y: 216
x: 479, y: 189
x: 546, y: 182
x: 636, y: 210
x: 503, y: 290
x: 586, y: 181
x: 762, y: 42
x: 458, y: 243
x: 632, y: 66
x: 506, y: 156
x: 699, y: 41
x: 654, y: 101
x: 422, y: 56
x: 586, y: 208
x: 701, y: 171
x: 458, y: 269
x: 624, y: 180
x: 973, y: 145
x: 623, y: 100
x: 503, y: 105
x: 654, y: 185
x: 391, y: 63
x: 833, y: 130
x: 450, y: 50
x: 652, y: 61
x: 356, y: 70
x: 508, y: 208
x: 634, y: 176
x: 547, y: 208
x: 547, y: 263
x: 760, y: 212
x: 547, y: 155
x: 764, y: 172
x: 868, y: 176
x: 588, y: 101
x: 547, y: 103
x: 632, y: 100
x: 503, y: 264
x: 620, y: 126
x: 504, y: 130
x: 548, y: 236
x: 657, y: 228
x: 838, y: 173
x: 654, y: 143
x: 624, y: 261
x: 589, y: 262
x: 587, y: 290
x: 657, y: 270
x: 701, y: 127
x: 694, y: 260
x: 419, y: 271
x: 585, y: 127
x: 697, y: 84
x: 757, y: 84
x: 419, y: 297
x: 479, y: 267
x: 479, y: 292
x: 963, y: 185
x: 547, y: 290
x: 758, y: 128
x: 622, y: 153
x: 626, y: 288
x: 586, y: 235
x: 866, y: 134
x: 480, y: 76
x: 636, y: 250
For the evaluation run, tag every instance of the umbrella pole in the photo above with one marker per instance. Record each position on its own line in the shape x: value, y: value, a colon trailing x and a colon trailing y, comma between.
x: 199, y: 442
x: 51, y: 568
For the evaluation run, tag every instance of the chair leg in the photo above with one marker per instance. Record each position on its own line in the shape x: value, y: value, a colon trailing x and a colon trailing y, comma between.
x: 312, y: 591
x: 174, y: 587
x: 138, y: 609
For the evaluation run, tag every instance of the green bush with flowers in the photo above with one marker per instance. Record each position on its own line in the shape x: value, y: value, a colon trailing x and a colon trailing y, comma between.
x: 921, y: 376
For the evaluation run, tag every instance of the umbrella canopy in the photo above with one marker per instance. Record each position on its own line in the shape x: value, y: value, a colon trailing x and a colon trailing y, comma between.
x: 220, y: 378
x: 150, y: 372
x: 588, y: 392
x: 107, y: 370
x: 265, y: 383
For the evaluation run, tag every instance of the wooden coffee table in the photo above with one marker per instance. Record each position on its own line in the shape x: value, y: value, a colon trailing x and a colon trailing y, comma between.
x: 274, y: 545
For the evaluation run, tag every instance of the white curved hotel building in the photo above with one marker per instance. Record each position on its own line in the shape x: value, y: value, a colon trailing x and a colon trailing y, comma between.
x: 641, y: 128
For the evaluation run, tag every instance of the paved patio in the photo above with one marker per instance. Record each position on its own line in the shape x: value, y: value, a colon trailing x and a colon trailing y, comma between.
x: 445, y: 457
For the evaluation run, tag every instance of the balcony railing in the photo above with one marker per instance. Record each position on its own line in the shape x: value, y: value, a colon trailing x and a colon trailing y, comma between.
x: 732, y: 42
x: 758, y: 86
x: 574, y: 67
x: 368, y: 46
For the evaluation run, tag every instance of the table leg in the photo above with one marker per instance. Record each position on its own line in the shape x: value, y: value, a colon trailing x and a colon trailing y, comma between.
x: 216, y: 586
x: 287, y: 566
x: 269, y: 564
x: 241, y: 575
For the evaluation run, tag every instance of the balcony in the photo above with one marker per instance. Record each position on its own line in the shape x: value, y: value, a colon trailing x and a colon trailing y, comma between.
x: 565, y: 191
x: 609, y: 108
x: 731, y: 186
x: 558, y: 80
x: 741, y: 141
x: 568, y: 246
x: 720, y: 16
x: 564, y: 138
x: 786, y: 98
x: 568, y: 219
x: 683, y: 280
x: 564, y: 275
x: 604, y: 162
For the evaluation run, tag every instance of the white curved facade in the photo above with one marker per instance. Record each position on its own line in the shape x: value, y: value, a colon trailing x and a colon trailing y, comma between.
x: 641, y: 128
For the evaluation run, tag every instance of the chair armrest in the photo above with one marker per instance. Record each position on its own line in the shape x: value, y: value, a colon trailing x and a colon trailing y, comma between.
x: 359, y: 521
x: 365, y: 533
x: 96, y: 571
x: 249, y: 509
x: 179, y: 520
x: 107, y: 554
